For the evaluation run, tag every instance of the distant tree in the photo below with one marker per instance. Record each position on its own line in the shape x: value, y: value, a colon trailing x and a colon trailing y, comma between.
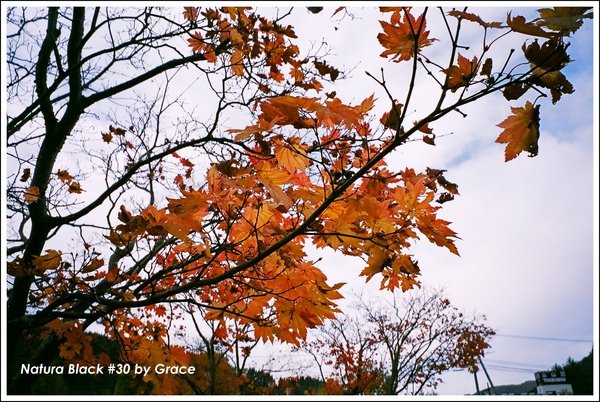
x: 400, y: 348
x: 350, y: 348
x: 127, y: 201
x: 257, y: 382
x: 299, y: 385
x: 580, y: 374
x: 224, y: 342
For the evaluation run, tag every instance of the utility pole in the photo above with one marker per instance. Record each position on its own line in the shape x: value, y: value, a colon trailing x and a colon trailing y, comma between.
x: 491, y: 387
x: 476, y: 383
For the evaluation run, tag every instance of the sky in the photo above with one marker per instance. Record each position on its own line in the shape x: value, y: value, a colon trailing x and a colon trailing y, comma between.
x: 527, y: 227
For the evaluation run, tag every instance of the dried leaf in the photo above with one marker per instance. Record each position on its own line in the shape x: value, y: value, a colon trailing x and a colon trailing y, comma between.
x: 337, y: 10
x: 50, y: 260
x: 424, y: 128
x: 16, y: 267
x: 391, y: 119
x: 445, y: 197
x: 26, y: 174
x: 515, y: 91
x: 460, y: 75
x: 429, y: 139
x: 64, y: 176
x: 190, y: 13
x: 32, y: 194
x: 449, y: 186
x: 486, y: 69
x: 520, y: 24
x: 474, y: 18
x: 74, y: 188
x: 92, y: 265
x: 117, y: 130
x: 124, y: 215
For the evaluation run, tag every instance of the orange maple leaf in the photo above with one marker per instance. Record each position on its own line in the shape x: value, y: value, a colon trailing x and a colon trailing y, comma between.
x: 460, y: 75
x: 521, y: 131
x: 190, y: 13
x: 399, y: 39
x: 196, y: 43
x: 194, y: 203
x: 160, y: 310
x: 237, y: 63
x: 292, y: 157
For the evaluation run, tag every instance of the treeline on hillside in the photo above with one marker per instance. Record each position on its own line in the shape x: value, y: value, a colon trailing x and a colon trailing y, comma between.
x: 580, y: 374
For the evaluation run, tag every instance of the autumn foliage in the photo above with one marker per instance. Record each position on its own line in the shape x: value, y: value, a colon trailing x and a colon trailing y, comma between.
x: 243, y: 203
x: 399, y: 346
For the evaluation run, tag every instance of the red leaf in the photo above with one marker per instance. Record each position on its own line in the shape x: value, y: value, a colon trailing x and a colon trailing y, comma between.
x: 337, y: 10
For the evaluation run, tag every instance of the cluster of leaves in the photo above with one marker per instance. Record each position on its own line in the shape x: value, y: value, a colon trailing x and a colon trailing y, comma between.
x: 521, y: 129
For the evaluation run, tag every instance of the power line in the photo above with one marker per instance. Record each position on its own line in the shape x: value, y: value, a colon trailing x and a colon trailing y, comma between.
x: 541, y: 338
x: 527, y: 365
x: 509, y: 368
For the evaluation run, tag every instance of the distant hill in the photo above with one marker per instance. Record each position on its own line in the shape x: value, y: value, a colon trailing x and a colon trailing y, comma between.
x: 524, y: 388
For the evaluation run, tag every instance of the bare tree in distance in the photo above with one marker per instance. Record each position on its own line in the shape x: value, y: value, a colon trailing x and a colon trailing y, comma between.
x: 398, y: 347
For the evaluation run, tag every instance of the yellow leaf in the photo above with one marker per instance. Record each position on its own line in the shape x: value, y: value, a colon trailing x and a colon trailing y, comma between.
x: 563, y: 19
x: 32, y: 194
x: 273, y: 175
x: 291, y: 159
